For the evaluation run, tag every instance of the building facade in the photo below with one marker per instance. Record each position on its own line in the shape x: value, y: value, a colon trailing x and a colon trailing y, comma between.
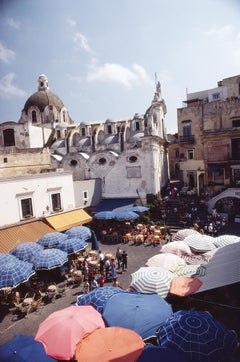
x: 207, y: 151
x: 127, y: 158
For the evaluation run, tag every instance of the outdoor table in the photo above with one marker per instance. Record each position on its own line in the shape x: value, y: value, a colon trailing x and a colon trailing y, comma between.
x: 108, y: 255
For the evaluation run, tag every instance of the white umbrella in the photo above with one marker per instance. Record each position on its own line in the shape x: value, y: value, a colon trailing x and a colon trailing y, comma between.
x: 167, y: 261
x: 200, y: 243
x: 182, y: 234
x: 176, y: 247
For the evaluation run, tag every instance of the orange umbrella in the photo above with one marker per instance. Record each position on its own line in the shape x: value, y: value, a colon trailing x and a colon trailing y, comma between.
x: 183, y: 286
x: 61, y: 330
x: 110, y: 344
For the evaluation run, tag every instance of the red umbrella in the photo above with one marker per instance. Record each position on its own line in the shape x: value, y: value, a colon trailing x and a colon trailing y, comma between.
x: 183, y: 286
x: 61, y: 330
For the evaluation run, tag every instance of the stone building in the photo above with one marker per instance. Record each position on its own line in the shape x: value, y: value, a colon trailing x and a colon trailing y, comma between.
x: 129, y: 157
x: 207, y: 151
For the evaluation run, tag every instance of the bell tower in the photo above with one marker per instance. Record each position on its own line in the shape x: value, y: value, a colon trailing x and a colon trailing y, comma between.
x: 43, y: 82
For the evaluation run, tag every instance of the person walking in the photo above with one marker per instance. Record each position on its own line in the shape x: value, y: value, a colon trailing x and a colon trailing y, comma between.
x: 124, y: 260
x: 119, y: 257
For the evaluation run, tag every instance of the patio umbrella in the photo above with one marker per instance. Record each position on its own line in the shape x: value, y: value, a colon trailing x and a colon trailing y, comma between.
x: 156, y: 354
x: 166, y: 260
x: 152, y: 280
x: 143, y: 313
x: 51, y: 240
x: 126, y: 215
x: 110, y: 344
x: 105, y: 215
x: 98, y: 297
x: 200, y: 243
x: 49, y: 259
x: 198, y: 335
x: 14, y: 272
x: 138, y: 208
x: 23, y: 349
x: 62, y: 329
x: 4, y: 257
x: 224, y: 240
x: 72, y: 245
x: 176, y: 247
x: 82, y: 232
x: 184, y: 286
x: 183, y: 233
x: 26, y: 250
x: 192, y: 270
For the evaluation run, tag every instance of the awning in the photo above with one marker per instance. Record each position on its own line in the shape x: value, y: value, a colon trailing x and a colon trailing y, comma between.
x: 66, y: 220
x: 12, y: 236
x: 215, y: 168
x: 115, y: 204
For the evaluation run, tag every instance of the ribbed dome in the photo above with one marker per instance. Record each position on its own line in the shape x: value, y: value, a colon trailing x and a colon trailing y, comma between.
x: 43, y: 98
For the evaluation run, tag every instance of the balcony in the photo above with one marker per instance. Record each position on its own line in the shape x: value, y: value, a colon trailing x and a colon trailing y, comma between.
x: 187, y: 139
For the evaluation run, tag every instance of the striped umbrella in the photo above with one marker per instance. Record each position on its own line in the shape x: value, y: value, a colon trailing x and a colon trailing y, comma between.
x: 25, y: 251
x: 183, y: 233
x: 49, y: 259
x: 72, y: 245
x: 82, y: 232
x: 190, y: 271
x: 151, y: 280
x: 224, y: 240
x: 14, y: 272
x: 51, y: 240
x: 200, y: 243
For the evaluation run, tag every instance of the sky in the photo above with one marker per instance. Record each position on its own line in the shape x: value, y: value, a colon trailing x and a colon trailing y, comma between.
x: 103, y: 57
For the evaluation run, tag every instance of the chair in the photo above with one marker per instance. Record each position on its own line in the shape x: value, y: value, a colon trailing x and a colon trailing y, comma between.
x: 37, y: 304
x: 70, y: 279
x: 52, y: 292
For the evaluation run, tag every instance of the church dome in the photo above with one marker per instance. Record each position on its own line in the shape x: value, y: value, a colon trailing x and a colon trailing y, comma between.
x: 43, y: 98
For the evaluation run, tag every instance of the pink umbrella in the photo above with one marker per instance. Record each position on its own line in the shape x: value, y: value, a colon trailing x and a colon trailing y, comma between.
x: 61, y: 330
x: 167, y: 261
x: 176, y: 247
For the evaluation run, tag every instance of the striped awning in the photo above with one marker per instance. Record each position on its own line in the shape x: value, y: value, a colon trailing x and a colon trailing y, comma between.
x: 10, y: 237
x: 67, y: 220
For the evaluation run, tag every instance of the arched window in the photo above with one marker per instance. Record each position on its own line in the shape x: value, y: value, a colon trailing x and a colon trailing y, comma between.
x: 34, y: 117
x: 8, y: 137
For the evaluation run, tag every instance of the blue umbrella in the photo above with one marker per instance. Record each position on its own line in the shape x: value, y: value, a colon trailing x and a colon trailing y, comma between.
x: 198, y: 335
x: 105, y: 215
x: 138, y: 208
x: 49, y: 259
x: 26, y: 250
x: 155, y: 354
x: 51, y: 240
x: 82, y: 232
x: 23, y: 349
x: 142, y: 313
x: 72, y: 245
x: 126, y: 215
x: 98, y: 297
x: 4, y: 257
x: 14, y: 272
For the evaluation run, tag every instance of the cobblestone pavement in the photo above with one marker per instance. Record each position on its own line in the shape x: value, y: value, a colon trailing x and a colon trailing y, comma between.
x: 137, y: 257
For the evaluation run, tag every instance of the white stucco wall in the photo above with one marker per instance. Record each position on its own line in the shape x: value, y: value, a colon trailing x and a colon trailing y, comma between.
x: 39, y: 188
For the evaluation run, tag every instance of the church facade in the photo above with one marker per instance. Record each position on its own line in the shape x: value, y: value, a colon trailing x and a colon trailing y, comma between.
x: 128, y: 157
